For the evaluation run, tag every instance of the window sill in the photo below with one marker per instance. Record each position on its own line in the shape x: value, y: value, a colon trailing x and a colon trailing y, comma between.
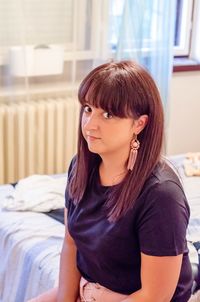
x: 185, y: 64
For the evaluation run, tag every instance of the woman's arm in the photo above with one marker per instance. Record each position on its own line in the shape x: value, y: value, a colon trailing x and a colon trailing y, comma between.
x: 69, y: 276
x: 159, y: 278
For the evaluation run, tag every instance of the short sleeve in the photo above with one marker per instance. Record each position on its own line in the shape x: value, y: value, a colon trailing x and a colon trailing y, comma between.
x: 70, y: 174
x: 67, y: 198
x: 163, y: 222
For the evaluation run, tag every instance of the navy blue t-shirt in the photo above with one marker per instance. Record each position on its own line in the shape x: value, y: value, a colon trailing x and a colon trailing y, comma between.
x: 109, y: 252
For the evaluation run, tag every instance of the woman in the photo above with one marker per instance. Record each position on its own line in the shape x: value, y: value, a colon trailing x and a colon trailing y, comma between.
x: 127, y: 213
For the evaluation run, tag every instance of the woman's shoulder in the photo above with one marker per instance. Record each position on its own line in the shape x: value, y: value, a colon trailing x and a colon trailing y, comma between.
x: 163, y: 199
x: 164, y: 182
x: 163, y: 173
x: 164, y: 186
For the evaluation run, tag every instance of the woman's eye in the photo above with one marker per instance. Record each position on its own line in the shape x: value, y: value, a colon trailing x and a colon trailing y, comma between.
x: 87, y: 109
x: 107, y: 115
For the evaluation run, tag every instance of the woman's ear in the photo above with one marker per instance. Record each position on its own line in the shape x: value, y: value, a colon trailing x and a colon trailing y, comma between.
x: 140, y: 123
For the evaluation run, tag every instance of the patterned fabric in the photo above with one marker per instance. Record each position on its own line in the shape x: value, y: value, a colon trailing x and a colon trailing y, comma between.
x: 30, y: 245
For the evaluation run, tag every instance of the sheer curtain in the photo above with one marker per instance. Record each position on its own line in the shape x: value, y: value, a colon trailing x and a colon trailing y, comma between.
x: 145, y: 33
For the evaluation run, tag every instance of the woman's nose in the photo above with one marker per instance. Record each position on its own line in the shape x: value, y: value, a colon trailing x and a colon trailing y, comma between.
x: 90, y: 122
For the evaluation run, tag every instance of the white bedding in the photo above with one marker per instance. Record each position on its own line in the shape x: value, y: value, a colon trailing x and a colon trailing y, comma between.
x: 37, y: 193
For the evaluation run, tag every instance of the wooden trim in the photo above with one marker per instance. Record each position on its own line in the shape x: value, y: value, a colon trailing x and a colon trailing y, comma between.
x: 185, y: 64
x: 179, y: 68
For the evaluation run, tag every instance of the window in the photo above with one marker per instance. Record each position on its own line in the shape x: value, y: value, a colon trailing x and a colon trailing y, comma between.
x: 71, y: 24
x: 183, y: 27
x: 115, y: 14
x: 49, y: 42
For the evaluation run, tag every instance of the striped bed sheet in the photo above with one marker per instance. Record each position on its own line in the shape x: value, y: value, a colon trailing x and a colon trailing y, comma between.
x: 30, y: 246
x: 191, y: 187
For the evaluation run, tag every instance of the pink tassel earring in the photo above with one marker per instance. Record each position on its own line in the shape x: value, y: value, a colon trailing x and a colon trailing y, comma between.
x: 135, y: 144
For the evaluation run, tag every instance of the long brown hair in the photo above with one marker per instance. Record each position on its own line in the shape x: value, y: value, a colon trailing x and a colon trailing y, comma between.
x: 124, y: 89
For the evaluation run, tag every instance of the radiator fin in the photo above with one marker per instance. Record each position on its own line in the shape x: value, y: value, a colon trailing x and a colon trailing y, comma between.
x: 38, y: 137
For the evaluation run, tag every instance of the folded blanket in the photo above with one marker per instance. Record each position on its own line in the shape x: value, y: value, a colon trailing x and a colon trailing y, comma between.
x: 191, y: 164
x: 38, y: 193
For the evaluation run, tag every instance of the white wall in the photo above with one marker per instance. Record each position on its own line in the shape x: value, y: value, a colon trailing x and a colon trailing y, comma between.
x: 183, y: 126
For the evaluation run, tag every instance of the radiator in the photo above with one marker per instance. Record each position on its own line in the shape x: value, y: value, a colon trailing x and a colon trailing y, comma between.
x: 37, y: 137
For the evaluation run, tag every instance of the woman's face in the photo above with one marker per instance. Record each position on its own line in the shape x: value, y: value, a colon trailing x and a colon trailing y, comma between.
x: 104, y: 133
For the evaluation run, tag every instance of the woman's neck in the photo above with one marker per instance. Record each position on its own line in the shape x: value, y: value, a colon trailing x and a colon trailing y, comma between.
x: 112, y: 171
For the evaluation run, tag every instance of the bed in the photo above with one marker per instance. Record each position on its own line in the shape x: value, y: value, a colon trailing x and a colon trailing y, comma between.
x: 30, y: 245
x: 31, y: 241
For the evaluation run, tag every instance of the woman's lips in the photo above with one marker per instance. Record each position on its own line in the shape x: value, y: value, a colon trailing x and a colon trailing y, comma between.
x: 92, y: 138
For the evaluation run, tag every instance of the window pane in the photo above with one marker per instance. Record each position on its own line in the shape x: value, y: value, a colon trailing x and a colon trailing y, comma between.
x: 183, y: 25
x: 179, y: 7
x: 115, y: 14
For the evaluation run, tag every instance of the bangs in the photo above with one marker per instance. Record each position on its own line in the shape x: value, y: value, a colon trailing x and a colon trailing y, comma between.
x: 107, y: 93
